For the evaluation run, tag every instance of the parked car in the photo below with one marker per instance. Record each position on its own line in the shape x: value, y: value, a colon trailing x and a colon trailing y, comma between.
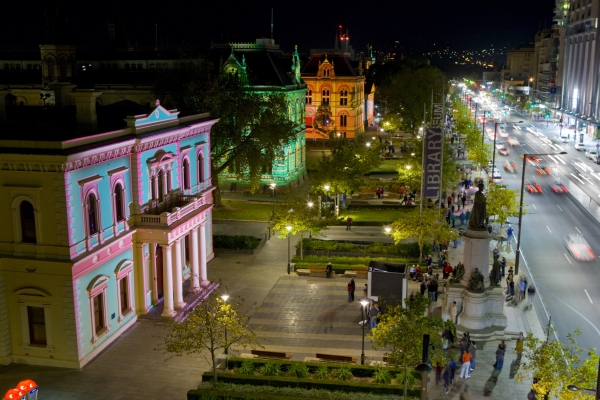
x: 591, y: 155
x: 580, y: 147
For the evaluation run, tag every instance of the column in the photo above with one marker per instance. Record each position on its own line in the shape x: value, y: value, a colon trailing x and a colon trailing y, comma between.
x: 195, y: 266
x: 140, y: 278
x: 169, y: 310
x: 178, y: 280
x: 202, y: 247
x: 152, y: 275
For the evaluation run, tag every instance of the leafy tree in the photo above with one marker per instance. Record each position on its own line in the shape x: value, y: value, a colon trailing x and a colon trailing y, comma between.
x: 391, y: 122
x: 323, y: 120
x: 344, y: 169
x: 502, y: 202
x: 557, y: 365
x: 424, y: 225
x: 212, y: 325
x: 301, y: 215
x: 400, y: 331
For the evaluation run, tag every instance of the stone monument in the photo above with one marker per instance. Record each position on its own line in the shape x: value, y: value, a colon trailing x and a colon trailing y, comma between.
x: 480, y: 305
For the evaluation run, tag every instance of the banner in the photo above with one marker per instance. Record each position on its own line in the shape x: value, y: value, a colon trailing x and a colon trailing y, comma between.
x: 432, y: 163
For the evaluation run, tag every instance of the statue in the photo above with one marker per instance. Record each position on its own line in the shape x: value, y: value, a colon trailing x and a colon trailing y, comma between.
x: 476, y: 281
x: 495, y: 273
x: 460, y: 272
x: 477, y: 219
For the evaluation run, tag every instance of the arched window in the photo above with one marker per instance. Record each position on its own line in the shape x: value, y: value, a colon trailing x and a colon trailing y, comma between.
x: 92, y: 214
x: 343, y: 97
x: 153, y: 187
x: 200, y: 168
x: 343, y: 120
x: 326, y: 72
x: 169, y: 180
x: 185, y: 174
x: 27, y: 223
x: 161, y: 185
x: 325, y: 96
x: 119, y: 209
x: 309, y: 96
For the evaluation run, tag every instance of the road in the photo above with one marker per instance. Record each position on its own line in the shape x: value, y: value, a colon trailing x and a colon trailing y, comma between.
x: 567, y: 289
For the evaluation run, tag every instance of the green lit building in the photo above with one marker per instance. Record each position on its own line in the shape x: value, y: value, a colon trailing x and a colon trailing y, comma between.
x: 265, y: 68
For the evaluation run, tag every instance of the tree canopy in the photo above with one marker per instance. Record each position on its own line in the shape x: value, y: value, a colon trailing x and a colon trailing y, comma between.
x: 501, y: 202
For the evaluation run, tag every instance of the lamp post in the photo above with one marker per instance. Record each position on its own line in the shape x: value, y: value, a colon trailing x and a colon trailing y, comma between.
x: 589, y: 391
x: 289, y: 229
x: 225, y: 297
x: 364, y: 307
x: 387, y: 230
x: 518, y: 251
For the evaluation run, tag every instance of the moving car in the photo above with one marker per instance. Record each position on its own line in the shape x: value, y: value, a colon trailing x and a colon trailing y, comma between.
x: 530, y: 188
x: 580, y: 147
x: 558, y: 187
x: 537, y: 187
x: 507, y: 167
x: 503, y: 151
x: 591, y: 155
x: 496, y: 177
x: 579, y: 247
x: 513, y: 142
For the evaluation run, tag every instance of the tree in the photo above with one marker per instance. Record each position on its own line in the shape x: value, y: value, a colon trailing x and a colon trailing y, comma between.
x: 425, y: 225
x: 323, y: 121
x: 212, y: 325
x: 301, y: 215
x: 400, y: 331
x: 344, y: 169
x: 502, y: 202
x: 557, y: 365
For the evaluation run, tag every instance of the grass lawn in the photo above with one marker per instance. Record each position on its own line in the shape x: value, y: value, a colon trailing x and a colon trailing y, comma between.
x: 243, y: 210
x: 373, y: 217
x: 313, y: 157
x: 388, y: 166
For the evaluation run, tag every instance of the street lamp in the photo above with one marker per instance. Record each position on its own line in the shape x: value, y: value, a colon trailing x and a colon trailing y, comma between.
x: 272, y: 186
x: 289, y: 229
x: 364, y: 304
x: 518, y: 252
x: 225, y: 297
x: 387, y: 230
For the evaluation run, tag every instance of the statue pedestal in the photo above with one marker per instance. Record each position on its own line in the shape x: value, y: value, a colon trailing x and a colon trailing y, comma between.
x: 476, y: 255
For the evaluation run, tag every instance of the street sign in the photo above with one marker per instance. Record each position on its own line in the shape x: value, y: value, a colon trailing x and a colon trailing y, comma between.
x: 553, y: 90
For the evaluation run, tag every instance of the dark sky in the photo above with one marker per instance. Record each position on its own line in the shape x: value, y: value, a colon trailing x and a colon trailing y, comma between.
x: 417, y: 24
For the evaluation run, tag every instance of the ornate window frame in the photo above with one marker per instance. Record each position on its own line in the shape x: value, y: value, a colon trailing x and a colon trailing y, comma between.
x: 97, y: 287
x: 343, y: 119
x: 162, y: 161
x: 117, y: 177
x: 201, y: 169
x: 124, y: 271
x: 33, y: 297
x: 186, y: 181
x: 32, y: 195
x: 343, y: 96
x: 309, y: 96
x: 89, y: 186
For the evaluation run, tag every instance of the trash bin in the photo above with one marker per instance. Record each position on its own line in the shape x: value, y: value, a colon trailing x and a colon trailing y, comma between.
x: 14, y: 394
x: 30, y: 388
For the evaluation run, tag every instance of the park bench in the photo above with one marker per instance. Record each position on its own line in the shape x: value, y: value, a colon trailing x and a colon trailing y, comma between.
x: 270, y: 354
x: 335, y: 357
x: 317, y: 272
x: 349, y: 274
x: 303, y: 272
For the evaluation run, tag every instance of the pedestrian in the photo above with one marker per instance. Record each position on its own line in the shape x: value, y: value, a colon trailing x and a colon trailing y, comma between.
x: 448, y: 216
x: 366, y: 291
x: 404, y: 200
x: 465, y: 371
x: 519, y: 345
x: 429, y: 261
x: 447, y: 270
x: 423, y: 287
x: 473, y: 351
x: 328, y: 270
x: 500, y: 356
x: 510, y: 232
x: 464, y: 199
x: 453, y: 218
x: 349, y: 223
x: 453, y: 367
x: 530, y: 295
x: 496, y: 252
x: 373, y: 313
x: 382, y: 188
x: 449, y: 201
x: 522, y: 287
x: 435, y: 289
x: 453, y: 312
x: 462, y: 217
x: 351, y: 288
x: 430, y: 289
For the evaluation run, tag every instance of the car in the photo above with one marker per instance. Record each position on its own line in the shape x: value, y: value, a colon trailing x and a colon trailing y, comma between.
x: 591, y: 155
x: 503, y: 133
x: 503, y: 151
x: 580, y: 147
x: 513, y: 142
x: 558, y: 187
x: 530, y: 188
x: 537, y: 187
x: 496, y: 177
x: 564, y: 139
x: 545, y: 169
x: 579, y: 248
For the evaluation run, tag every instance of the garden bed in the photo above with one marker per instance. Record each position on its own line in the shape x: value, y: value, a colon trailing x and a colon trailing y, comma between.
x: 408, y: 251
x: 237, y: 244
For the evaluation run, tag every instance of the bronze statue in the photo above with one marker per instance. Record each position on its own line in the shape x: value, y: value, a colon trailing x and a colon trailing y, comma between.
x: 460, y: 272
x: 477, y: 219
x: 476, y: 281
x: 495, y: 274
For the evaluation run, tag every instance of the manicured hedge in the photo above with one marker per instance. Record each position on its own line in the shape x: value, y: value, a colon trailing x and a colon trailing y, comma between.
x: 407, y: 250
x: 229, y: 395
x: 235, y: 242
x: 285, y: 381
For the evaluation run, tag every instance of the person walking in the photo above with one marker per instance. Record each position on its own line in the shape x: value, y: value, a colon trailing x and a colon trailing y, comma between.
x: 447, y: 377
x: 519, y: 345
x: 509, y: 234
x: 366, y: 291
x: 453, y: 368
x: 423, y: 287
x: 328, y: 270
x: 522, y: 287
x: 430, y: 289
x: 464, y: 199
x: 349, y: 224
x: 373, y: 313
x: 351, y: 288
x: 435, y: 289
x: 530, y: 295
x: 500, y: 356
x: 453, y: 218
x: 465, y: 371
x: 473, y: 351
x: 462, y: 217
x: 429, y: 261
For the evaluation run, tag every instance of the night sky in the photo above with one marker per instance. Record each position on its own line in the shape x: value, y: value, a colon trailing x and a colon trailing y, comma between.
x: 419, y: 25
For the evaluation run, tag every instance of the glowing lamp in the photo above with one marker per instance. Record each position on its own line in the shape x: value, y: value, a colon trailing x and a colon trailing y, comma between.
x: 14, y: 394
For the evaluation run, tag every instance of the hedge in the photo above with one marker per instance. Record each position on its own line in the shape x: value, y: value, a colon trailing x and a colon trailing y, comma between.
x: 229, y: 395
x: 308, y: 383
x: 408, y: 250
x: 236, y: 242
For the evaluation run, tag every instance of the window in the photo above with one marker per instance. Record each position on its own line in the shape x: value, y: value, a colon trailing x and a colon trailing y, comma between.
x: 98, y: 309
x: 169, y: 181
x: 185, y: 174
x: 326, y: 72
x: 343, y: 120
x: 309, y: 96
x: 343, y: 97
x: 119, y: 209
x: 28, y: 234
x: 92, y: 214
x: 200, y: 168
x: 325, y: 96
x: 161, y: 185
x: 37, y: 325
x: 124, y: 294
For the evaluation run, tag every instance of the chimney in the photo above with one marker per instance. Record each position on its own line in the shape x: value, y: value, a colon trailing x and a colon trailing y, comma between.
x: 85, y: 104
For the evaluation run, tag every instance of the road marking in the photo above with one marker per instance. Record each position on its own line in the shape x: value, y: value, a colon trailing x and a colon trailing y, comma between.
x: 559, y: 207
x: 582, y: 182
x: 549, y: 229
x: 534, y: 206
x: 579, y: 231
x: 588, y: 295
x: 568, y: 259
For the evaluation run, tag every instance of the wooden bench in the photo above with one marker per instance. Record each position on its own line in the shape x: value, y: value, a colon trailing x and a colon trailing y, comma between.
x: 317, y: 272
x: 335, y: 357
x: 303, y: 272
x: 349, y: 274
x: 271, y: 354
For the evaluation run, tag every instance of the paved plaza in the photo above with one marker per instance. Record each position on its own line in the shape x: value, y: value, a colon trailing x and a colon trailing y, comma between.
x: 298, y: 315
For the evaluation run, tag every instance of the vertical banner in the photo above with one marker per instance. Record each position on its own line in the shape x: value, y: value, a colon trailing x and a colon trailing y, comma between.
x: 432, y: 163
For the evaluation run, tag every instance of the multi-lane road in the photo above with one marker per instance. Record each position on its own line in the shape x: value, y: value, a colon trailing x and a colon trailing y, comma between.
x: 567, y: 290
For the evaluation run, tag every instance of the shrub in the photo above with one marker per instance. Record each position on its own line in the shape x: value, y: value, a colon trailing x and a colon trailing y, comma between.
x: 400, y: 379
x: 236, y: 242
x: 343, y: 373
x: 409, y: 250
x: 322, y: 372
x: 382, y: 375
x: 247, y: 368
x: 299, y: 370
x: 270, y: 369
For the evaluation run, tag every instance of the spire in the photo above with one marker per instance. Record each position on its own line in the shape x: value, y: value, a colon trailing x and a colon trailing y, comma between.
x: 57, y: 29
x: 117, y: 36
